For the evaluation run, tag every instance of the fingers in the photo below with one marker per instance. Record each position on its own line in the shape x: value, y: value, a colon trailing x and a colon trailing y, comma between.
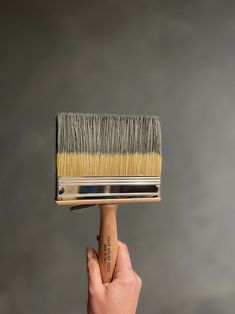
x: 123, y: 268
x: 123, y: 263
x: 124, y: 273
x: 95, y: 285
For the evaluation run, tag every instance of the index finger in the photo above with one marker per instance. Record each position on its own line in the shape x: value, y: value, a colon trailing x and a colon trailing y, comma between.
x: 123, y: 263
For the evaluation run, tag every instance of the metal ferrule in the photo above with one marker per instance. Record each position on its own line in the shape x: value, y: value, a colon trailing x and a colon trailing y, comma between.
x: 82, y: 188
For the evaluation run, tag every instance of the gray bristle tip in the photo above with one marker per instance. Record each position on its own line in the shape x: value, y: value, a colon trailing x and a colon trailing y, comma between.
x: 108, y: 133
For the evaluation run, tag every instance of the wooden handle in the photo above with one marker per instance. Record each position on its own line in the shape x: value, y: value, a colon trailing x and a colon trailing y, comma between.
x: 108, y: 245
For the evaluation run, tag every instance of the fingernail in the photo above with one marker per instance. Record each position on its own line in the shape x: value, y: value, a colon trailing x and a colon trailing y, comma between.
x: 89, y: 252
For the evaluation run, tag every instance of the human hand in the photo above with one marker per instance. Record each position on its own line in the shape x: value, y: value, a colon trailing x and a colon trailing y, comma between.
x: 121, y: 295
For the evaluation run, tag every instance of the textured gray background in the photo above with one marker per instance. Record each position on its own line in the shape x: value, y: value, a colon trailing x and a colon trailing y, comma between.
x: 172, y: 58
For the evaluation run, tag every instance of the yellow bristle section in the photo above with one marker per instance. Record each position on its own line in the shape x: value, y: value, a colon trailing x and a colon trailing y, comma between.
x: 82, y: 164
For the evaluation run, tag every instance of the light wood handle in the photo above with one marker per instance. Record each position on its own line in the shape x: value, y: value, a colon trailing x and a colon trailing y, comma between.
x: 108, y: 245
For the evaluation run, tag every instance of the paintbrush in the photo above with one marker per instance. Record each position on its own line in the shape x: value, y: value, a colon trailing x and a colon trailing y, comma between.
x: 107, y: 159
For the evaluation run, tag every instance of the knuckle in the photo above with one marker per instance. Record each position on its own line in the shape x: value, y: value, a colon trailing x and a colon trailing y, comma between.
x: 129, y: 280
x: 94, y: 293
x: 138, y: 281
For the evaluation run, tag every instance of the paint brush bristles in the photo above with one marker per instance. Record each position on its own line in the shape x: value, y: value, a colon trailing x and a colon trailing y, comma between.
x: 108, y: 145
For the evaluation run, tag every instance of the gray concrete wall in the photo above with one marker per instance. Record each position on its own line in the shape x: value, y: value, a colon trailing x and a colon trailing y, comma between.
x: 171, y: 58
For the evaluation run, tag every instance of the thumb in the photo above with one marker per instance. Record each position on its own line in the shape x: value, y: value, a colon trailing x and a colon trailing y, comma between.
x: 93, y: 272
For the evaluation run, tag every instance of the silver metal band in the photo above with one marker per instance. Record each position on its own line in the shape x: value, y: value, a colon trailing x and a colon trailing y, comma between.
x: 74, y: 188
